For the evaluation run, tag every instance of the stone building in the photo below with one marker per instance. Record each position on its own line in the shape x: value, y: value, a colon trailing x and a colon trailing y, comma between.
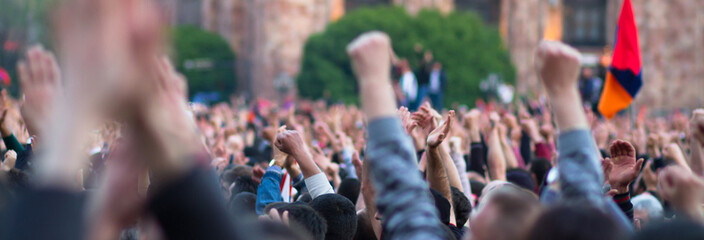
x: 268, y: 36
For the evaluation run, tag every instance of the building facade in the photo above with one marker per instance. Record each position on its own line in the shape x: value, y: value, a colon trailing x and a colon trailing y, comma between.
x: 268, y: 36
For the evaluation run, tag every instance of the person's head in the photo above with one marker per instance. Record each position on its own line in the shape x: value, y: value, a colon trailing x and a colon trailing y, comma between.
x: 437, y: 66
x: 277, y: 231
x: 244, y: 184
x: 680, y: 229
x: 477, y: 188
x: 349, y: 188
x: 539, y: 169
x: 576, y: 222
x: 442, y: 205
x: 305, y: 217
x: 339, y: 213
x: 243, y: 204
x: 521, y: 178
x: 365, y: 231
x: 587, y: 72
x: 504, y: 212
x: 462, y: 207
x: 647, y: 208
x: 428, y: 56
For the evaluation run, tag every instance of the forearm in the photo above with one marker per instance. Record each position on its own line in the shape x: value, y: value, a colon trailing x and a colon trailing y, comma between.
x: 567, y: 109
x: 306, y: 163
x: 579, y: 169
x: 453, y: 174
x: 436, y: 174
x: 402, y: 194
x: 4, y: 130
x: 377, y: 98
x: 269, y: 190
x: 497, y: 164
x: 461, y: 166
x: 697, y: 157
x: 511, y: 161
x: 318, y: 185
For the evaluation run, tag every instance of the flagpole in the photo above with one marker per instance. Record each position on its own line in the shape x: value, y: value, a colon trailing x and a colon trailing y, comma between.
x: 632, y: 112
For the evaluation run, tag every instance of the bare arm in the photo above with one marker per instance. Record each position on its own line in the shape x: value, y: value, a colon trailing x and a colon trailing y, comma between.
x: 439, y: 163
x: 496, y: 161
x: 695, y: 144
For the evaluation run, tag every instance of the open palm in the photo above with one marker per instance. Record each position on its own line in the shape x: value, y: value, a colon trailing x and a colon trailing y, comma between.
x: 622, y: 168
x: 438, y: 135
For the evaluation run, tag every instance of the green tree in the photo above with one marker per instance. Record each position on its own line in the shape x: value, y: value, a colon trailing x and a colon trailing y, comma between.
x: 206, y: 59
x: 468, y: 49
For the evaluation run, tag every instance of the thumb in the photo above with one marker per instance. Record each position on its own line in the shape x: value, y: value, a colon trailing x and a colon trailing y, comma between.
x: 612, y: 192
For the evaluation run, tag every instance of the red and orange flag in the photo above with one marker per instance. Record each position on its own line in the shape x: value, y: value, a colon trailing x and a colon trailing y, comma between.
x: 623, y: 80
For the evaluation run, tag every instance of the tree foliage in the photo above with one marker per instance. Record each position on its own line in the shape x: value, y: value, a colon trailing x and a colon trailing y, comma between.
x: 206, y: 60
x: 468, y: 50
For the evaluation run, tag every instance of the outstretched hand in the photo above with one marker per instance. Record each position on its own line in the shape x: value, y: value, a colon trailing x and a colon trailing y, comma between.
x: 437, y: 136
x: 41, y: 84
x: 622, y: 168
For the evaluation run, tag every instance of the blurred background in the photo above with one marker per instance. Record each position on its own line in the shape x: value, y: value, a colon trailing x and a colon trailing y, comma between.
x: 280, y: 49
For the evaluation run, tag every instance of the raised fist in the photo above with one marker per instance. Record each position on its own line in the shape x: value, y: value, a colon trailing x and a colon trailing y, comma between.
x: 558, y: 66
x: 289, y: 142
x: 371, y: 55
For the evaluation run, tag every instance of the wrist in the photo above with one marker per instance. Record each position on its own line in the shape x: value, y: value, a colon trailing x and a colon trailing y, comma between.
x: 4, y: 131
x: 620, y: 189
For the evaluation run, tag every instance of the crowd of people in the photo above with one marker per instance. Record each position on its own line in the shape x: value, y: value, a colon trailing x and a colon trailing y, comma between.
x: 105, y: 145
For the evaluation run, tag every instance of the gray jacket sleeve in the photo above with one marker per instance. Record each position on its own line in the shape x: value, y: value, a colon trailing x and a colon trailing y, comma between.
x: 581, y: 176
x: 402, y: 195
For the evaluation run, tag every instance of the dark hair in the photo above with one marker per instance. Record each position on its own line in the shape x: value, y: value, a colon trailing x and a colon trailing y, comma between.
x: 521, y: 178
x: 462, y: 206
x: 680, y: 229
x: 576, y: 223
x: 365, y: 231
x: 244, y: 184
x: 274, y: 205
x: 442, y: 205
x: 243, y: 204
x: 349, y: 188
x: 477, y: 187
x: 306, y: 218
x: 339, y: 213
x: 271, y: 230
x: 540, y: 168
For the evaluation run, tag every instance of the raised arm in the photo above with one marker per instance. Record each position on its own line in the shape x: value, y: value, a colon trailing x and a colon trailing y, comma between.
x: 291, y: 143
x: 580, y: 173
x: 696, y: 126
x: 496, y: 160
x: 402, y: 197
x: 437, y: 173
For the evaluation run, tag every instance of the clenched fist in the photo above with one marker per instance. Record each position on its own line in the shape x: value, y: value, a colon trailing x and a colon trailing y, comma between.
x: 371, y: 56
x: 558, y: 66
x: 290, y: 142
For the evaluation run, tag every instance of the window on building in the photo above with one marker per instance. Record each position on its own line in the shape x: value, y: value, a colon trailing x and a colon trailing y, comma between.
x: 584, y: 22
x: 488, y: 10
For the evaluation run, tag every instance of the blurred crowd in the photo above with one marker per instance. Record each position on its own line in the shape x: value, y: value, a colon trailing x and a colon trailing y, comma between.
x: 105, y: 145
